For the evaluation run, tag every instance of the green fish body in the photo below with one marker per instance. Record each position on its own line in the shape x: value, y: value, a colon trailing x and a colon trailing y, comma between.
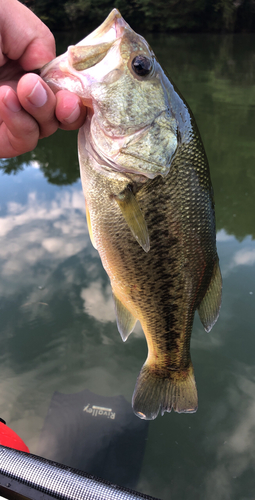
x: 149, y: 202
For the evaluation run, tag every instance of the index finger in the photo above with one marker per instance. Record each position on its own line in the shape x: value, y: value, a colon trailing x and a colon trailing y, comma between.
x: 24, y: 37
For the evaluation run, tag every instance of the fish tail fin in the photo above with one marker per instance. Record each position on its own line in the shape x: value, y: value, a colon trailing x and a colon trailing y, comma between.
x: 163, y: 390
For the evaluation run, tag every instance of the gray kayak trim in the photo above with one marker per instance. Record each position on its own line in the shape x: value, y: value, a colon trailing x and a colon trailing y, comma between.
x: 37, y: 478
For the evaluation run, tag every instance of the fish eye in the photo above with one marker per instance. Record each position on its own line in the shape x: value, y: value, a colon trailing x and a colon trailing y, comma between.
x: 142, y: 65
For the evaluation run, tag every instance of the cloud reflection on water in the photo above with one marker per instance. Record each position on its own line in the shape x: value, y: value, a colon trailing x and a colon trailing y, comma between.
x: 235, y: 450
x: 98, y: 302
x: 40, y: 233
x: 244, y: 257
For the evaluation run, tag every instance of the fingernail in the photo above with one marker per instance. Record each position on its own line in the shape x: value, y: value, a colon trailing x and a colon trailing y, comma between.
x: 11, y: 101
x: 74, y: 115
x: 38, y: 96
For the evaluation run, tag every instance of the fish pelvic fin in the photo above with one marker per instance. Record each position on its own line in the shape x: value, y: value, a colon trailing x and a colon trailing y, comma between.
x: 134, y: 217
x: 159, y: 390
x: 90, y: 227
x: 125, y: 320
x: 209, y: 307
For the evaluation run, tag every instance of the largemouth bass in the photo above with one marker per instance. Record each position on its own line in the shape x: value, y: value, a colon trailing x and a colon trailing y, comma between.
x: 149, y: 203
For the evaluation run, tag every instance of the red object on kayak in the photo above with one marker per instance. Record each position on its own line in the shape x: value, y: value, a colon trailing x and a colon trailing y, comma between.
x: 9, y: 438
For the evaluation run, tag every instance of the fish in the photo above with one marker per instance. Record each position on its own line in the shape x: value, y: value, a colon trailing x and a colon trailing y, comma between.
x: 149, y: 204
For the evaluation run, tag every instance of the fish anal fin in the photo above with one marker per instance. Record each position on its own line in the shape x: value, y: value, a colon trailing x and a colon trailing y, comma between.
x: 134, y: 217
x: 125, y: 320
x: 159, y: 390
x: 209, y: 307
x: 90, y: 227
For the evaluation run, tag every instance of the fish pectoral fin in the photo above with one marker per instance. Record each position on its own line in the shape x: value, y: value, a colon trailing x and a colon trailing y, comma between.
x: 134, y: 217
x: 90, y: 227
x: 209, y: 308
x: 159, y: 389
x: 125, y: 320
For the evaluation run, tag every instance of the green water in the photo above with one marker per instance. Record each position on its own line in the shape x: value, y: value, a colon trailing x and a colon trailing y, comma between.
x: 57, y: 326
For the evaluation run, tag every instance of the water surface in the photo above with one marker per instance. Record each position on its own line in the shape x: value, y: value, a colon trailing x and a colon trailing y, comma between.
x: 57, y: 324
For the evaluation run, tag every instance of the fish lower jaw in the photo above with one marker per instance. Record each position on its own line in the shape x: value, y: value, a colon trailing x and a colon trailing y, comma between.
x: 131, y: 175
x: 135, y: 175
x: 57, y: 80
x: 106, y: 164
x: 113, y: 170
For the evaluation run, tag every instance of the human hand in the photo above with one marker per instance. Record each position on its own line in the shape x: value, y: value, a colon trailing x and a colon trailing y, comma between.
x: 29, y: 110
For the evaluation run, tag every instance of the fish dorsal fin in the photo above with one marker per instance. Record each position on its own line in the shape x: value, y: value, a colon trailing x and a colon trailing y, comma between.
x: 90, y: 227
x: 134, y: 217
x: 125, y: 320
x: 210, y: 306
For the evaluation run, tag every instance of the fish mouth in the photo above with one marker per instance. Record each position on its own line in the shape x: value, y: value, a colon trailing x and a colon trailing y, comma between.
x: 78, y: 70
x: 111, y: 29
x: 63, y: 71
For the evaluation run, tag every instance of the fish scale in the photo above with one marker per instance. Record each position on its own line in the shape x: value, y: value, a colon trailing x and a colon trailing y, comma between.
x: 149, y: 204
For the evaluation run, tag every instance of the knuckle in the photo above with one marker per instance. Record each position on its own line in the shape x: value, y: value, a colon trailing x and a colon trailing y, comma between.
x: 25, y: 140
x: 48, y: 128
x: 23, y: 147
x: 25, y: 129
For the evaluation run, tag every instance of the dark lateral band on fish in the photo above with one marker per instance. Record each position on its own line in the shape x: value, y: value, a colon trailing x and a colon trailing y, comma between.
x: 149, y: 204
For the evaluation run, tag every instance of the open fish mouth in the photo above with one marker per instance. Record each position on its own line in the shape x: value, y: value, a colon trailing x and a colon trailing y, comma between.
x: 64, y: 70
x: 113, y: 71
x: 112, y: 28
